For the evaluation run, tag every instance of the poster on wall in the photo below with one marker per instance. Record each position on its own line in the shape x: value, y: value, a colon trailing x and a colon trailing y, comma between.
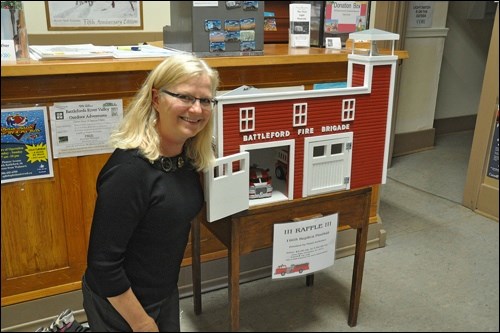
x: 83, y: 128
x: 346, y: 16
x: 494, y: 155
x: 25, y: 148
x: 94, y: 15
x: 304, y: 247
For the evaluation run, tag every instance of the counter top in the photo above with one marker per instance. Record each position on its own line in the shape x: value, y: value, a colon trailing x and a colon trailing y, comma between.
x: 274, y: 54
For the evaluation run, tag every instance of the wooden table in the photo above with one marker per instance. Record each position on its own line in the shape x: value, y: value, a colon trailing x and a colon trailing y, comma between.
x: 252, y: 230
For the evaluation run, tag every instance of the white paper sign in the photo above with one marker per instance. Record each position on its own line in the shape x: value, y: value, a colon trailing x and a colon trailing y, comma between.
x: 333, y: 43
x: 300, y: 24
x: 83, y: 128
x: 205, y: 3
x: 304, y: 247
x: 420, y: 15
x: 8, y: 51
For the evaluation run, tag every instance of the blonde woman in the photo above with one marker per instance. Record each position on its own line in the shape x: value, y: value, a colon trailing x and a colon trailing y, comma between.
x: 147, y: 194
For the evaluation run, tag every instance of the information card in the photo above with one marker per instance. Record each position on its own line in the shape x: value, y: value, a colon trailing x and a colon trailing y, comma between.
x: 304, y: 247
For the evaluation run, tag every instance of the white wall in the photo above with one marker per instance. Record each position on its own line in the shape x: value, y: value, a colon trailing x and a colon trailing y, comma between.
x: 464, y: 58
x: 156, y: 14
x: 444, y: 74
x: 420, y: 73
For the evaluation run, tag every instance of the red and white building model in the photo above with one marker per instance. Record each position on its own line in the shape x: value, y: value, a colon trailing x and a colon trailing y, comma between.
x: 323, y: 140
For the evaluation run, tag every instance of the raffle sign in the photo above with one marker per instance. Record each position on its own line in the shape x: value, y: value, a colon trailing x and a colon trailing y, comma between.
x: 304, y: 247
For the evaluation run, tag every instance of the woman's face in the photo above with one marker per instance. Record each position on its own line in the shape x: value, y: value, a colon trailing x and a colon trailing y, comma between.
x: 178, y: 119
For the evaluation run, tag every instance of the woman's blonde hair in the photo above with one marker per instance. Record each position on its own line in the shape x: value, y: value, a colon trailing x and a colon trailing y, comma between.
x: 138, y: 130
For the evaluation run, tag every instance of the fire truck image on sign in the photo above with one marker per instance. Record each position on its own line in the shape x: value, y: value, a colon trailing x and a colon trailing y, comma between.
x: 284, y: 269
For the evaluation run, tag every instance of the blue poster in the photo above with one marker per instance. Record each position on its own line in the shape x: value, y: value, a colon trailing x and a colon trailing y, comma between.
x: 493, y: 161
x: 26, y: 150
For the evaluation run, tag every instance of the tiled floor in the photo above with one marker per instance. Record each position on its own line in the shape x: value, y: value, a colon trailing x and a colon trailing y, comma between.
x: 439, y: 270
x: 440, y: 171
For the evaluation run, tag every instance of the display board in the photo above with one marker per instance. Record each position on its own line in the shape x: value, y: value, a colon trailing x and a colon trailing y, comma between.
x: 216, y: 28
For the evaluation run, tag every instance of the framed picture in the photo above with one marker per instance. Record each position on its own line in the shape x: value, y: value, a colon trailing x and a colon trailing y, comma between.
x: 94, y: 15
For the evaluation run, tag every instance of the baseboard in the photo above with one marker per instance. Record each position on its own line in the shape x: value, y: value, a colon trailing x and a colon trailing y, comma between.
x: 412, y: 142
x: 455, y: 124
x: 28, y: 316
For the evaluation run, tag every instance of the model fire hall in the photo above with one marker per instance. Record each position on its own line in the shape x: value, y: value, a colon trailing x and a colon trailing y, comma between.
x: 310, y: 141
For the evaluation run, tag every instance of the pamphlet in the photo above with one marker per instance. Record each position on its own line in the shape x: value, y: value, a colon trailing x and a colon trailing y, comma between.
x: 300, y: 25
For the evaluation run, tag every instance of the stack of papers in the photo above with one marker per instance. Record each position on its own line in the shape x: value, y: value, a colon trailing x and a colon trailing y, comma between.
x: 79, y: 51
x: 86, y: 51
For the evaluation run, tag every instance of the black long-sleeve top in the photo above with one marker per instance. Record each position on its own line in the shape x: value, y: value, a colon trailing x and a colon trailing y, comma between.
x: 140, y: 226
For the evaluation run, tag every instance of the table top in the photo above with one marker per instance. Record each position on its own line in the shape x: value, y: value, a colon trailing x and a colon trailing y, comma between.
x: 274, y: 54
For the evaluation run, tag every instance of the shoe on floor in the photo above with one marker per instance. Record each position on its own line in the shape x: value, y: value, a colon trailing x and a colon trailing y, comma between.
x: 65, y: 322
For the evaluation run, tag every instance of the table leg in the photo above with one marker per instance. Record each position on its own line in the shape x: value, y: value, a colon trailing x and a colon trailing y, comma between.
x: 196, y: 264
x: 234, y: 276
x: 310, y: 280
x: 357, y: 274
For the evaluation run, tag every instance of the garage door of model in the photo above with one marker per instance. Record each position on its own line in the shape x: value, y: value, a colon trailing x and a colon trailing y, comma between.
x: 327, y: 163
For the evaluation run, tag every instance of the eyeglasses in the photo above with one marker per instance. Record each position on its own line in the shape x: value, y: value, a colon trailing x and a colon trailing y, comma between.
x: 205, y: 103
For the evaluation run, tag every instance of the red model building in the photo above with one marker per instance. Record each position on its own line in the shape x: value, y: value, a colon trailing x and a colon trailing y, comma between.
x: 322, y: 140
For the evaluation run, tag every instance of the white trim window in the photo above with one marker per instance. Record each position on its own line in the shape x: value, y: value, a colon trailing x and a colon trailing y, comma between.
x: 300, y: 114
x: 247, y: 119
x: 348, y: 109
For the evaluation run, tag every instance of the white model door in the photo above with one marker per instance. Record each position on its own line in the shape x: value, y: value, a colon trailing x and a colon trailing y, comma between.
x: 226, y: 186
x: 327, y: 163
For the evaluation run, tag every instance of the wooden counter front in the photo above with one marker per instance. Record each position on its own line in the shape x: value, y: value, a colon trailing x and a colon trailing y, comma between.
x: 46, y: 222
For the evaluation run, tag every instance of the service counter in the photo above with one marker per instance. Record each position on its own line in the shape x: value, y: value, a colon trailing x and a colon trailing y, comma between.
x: 46, y: 222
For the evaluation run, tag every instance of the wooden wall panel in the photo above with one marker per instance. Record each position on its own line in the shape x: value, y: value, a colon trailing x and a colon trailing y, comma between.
x: 28, y: 228
x: 42, y: 235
